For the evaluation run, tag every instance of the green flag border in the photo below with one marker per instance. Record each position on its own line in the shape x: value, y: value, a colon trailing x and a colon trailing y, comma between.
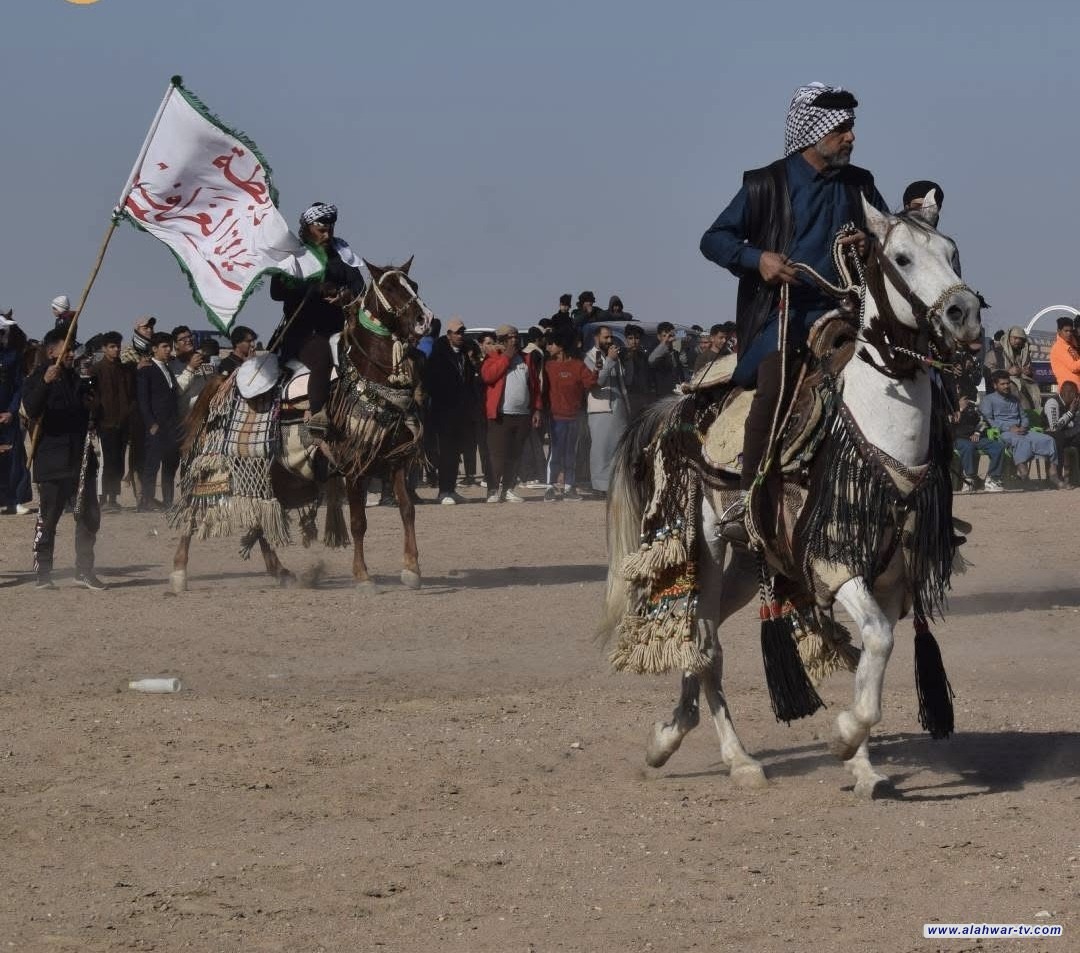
x: 256, y: 282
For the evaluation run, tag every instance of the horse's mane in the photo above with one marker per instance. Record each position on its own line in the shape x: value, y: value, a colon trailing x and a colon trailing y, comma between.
x: 193, y: 422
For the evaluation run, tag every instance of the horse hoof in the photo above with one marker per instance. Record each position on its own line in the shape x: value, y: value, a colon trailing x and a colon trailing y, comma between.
x: 658, y: 750
x: 178, y: 581
x: 286, y: 580
x: 410, y: 579
x: 873, y: 788
x: 367, y: 588
x: 750, y: 776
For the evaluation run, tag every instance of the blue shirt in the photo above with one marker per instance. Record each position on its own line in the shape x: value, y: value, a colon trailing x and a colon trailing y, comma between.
x: 1002, y: 412
x: 819, y: 207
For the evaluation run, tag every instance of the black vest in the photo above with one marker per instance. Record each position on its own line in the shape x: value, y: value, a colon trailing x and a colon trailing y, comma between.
x: 771, y: 229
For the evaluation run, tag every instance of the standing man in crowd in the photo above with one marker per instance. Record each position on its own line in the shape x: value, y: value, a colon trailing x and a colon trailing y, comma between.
x: 188, y: 367
x: 65, y: 465
x: 585, y: 311
x: 635, y: 372
x: 1014, y: 356
x: 566, y: 383
x: 157, y: 394
x: 114, y: 386
x: 788, y: 211
x: 665, y: 364
x: 62, y: 313
x: 449, y: 383
x: 1064, y: 354
x: 606, y: 406
x: 243, y: 347
x: 512, y: 401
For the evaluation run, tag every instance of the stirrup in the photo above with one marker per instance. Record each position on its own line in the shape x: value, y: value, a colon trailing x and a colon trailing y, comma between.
x: 733, y: 523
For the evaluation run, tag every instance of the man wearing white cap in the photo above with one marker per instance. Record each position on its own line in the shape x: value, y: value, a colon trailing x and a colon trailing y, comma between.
x: 62, y: 313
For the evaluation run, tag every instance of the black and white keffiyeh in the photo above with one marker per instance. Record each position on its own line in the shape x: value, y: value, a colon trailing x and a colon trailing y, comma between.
x: 807, y: 123
x: 319, y: 212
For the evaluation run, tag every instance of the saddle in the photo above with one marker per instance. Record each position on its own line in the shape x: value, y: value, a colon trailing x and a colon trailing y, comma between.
x: 294, y: 383
x: 830, y: 346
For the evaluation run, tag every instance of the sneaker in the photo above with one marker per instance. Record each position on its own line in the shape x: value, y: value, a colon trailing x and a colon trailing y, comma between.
x: 967, y: 485
x: 494, y: 498
x: 90, y: 581
x: 23, y: 510
x: 448, y: 500
x: 550, y: 496
x: 483, y: 483
x: 992, y: 485
x: 572, y: 496
x: 44, y: 582
x: 511, y: 497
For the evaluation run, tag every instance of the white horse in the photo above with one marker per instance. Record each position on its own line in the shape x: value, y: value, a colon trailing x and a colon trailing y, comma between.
x: 893, y: 411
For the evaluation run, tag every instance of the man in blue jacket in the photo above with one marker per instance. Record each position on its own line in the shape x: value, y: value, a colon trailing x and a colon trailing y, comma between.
x: 789, y: 211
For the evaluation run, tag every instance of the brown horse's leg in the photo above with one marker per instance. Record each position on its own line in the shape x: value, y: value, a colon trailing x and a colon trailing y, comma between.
x: 357, y: 490
x: 410, y: 575
x: 178, y: 577
x: 273, y: 564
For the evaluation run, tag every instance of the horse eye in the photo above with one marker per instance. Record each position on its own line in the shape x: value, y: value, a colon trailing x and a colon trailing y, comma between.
x: 903, y: 261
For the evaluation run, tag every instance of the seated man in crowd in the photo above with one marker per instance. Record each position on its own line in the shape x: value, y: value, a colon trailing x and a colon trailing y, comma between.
x: 1001, y: 409
x: 969, y: 439
x: 1062, y: 412
x: 968, y: 427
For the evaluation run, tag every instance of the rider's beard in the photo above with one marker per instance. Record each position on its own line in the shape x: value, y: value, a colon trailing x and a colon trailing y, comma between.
x: 834, y: 159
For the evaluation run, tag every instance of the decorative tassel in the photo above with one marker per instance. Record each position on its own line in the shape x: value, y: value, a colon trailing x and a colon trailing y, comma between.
x: 790, y: 691
x: 931, y: 683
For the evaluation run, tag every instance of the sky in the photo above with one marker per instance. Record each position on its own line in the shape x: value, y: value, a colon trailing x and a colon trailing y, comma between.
x: 524, y: 150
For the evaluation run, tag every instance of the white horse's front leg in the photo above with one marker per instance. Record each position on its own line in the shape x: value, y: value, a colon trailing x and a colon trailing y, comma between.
x: 868, y: 782
x: 853, y: 727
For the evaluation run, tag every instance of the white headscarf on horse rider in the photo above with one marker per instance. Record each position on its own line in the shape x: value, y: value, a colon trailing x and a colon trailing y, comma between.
x: 807, y: 123
x: 327, y: 213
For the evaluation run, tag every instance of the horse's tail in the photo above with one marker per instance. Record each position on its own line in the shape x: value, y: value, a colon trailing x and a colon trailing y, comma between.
x: 626, y: 504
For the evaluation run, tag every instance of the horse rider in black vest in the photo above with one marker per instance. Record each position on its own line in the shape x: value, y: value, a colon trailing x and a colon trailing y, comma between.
x: 788, y: 211
x: 307, y: 338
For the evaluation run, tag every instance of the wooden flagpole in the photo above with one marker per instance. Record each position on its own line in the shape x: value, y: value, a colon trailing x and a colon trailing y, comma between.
x: 114, y: 221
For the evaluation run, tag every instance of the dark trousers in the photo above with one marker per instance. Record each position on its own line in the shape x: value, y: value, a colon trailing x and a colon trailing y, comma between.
x: 759, y: 419
x: 315, y: 353
x: 1069, y: 437
x: 162, y: 451
x: 480, y: 432
x: 53, y: 496
x: 114, y: 441
x: 451, y: 432
x: 506, y: 437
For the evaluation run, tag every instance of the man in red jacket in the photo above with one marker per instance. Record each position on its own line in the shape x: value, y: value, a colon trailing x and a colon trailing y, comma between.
x: 512, y: 404
x: 566, y: 382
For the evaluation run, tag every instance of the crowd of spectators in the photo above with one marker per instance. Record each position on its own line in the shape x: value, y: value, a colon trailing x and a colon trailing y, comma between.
x: 1012, y: 423
x: 545, y: 407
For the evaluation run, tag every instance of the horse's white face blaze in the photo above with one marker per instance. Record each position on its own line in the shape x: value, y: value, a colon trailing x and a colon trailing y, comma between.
x: 929, y: 263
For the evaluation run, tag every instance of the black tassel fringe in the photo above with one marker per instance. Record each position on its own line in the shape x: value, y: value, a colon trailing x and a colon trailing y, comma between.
x: 932, y: 684
x: 790, y: 691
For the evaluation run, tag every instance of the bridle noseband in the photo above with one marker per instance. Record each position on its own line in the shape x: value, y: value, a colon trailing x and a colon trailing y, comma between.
x: 375, y: 287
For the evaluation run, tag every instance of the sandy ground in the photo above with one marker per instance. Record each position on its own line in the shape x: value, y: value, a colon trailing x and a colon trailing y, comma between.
x: 456, y: 769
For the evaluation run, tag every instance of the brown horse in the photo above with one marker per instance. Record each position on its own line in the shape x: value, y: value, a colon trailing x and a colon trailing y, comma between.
x: 374, y: 431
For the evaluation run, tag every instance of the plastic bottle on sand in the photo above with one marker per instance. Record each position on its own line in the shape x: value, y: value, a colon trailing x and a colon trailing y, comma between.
x: 155, y: 686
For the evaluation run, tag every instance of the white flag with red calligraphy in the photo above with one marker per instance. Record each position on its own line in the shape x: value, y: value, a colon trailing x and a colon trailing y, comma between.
x: 205, y: 191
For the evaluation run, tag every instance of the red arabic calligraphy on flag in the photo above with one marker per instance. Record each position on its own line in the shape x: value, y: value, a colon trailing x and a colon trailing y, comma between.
x: 208, y: 196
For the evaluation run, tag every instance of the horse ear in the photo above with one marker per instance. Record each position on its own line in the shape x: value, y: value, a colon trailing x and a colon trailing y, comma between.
x: 405, y: 268
x: 877, y: 223
x: 374, y: 270
x: 929, y: 211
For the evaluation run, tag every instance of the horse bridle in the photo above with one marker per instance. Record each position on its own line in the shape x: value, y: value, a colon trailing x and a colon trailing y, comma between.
x: 375, y: 287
